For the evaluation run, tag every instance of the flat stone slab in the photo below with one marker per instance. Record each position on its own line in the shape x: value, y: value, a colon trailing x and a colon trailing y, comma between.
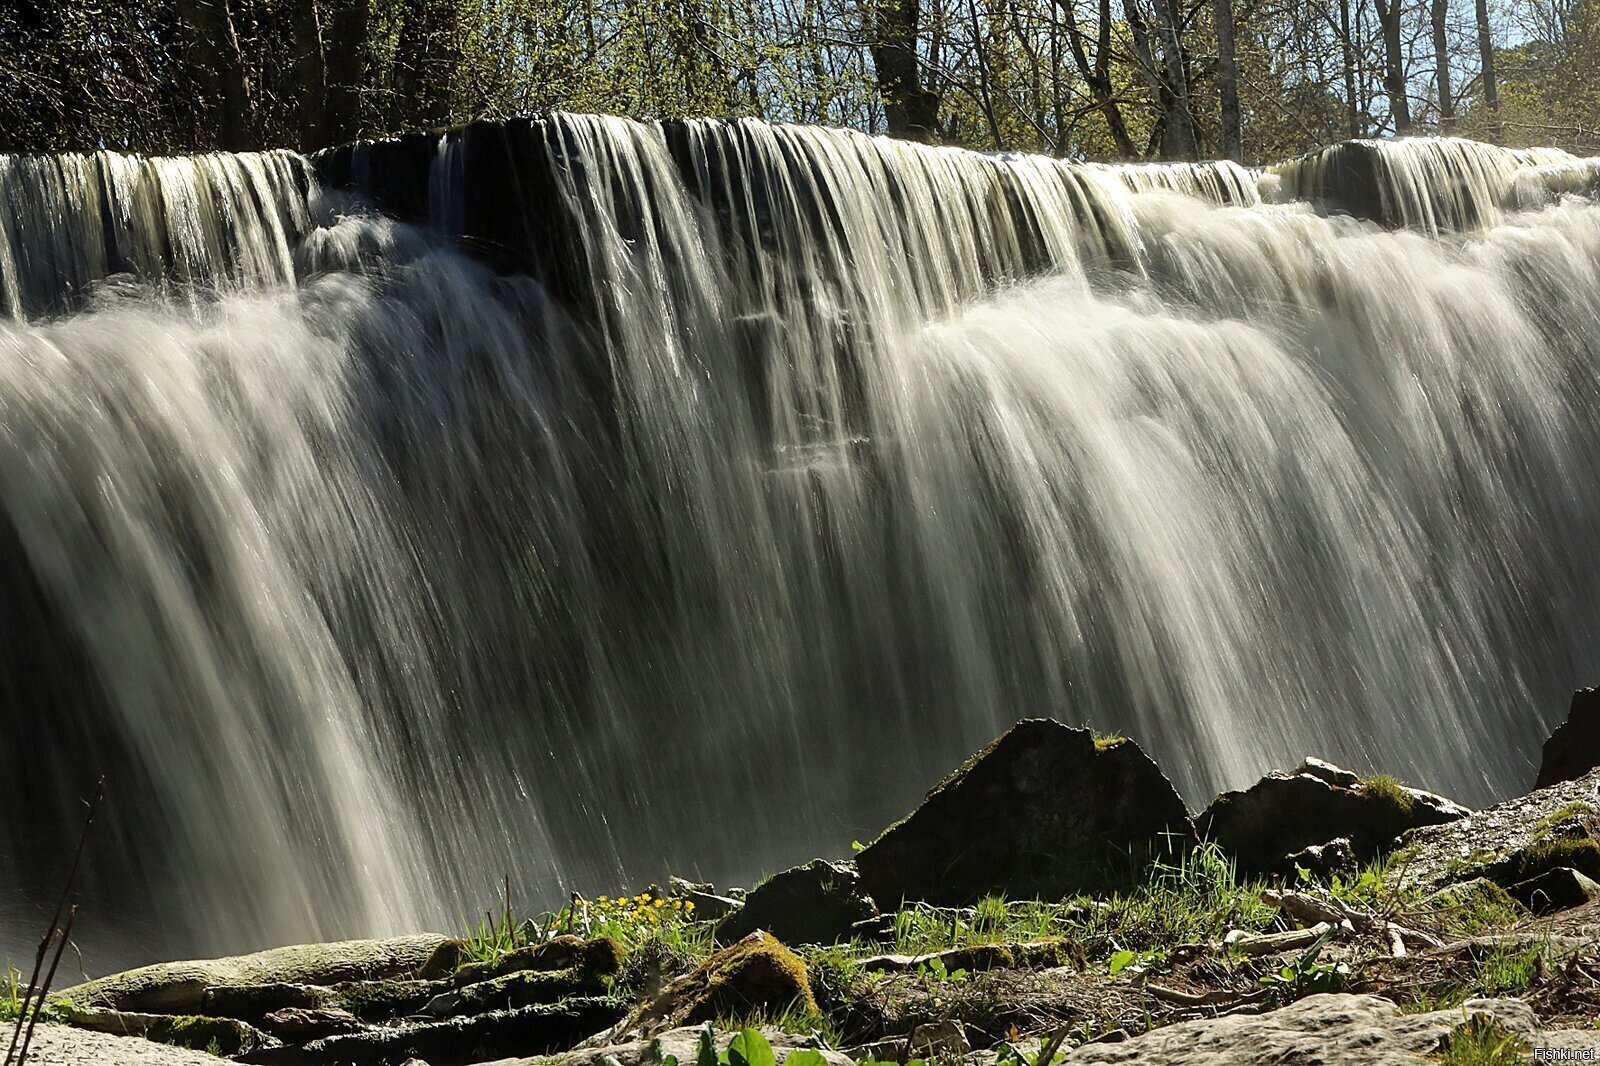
x: 62, y: 1045
x: 179, y: 987
x: 1318, y: 1030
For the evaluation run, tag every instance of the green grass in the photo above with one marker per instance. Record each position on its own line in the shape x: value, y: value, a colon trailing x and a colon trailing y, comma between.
x: 1480, y: 1041
x: 1387, y: 789
x: 1508, y: 970
x: 1190, y: 899
x: 11, y: 991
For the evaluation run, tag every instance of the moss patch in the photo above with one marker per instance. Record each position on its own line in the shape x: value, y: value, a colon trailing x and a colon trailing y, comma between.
x: 758, y: 976
x: 1387, y: 791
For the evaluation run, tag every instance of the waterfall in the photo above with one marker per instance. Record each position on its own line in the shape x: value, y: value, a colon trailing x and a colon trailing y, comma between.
x: 571, y: 500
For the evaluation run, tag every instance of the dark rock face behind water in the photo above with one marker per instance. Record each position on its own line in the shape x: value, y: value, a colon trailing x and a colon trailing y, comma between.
x: 1574, y: 748
x: 1044, y: 811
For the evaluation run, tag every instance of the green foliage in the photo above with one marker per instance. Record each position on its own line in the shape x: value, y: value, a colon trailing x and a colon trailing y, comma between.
x: 1481, y: 1041
x: 12, y: 989
x: 935, y: 970
x: 1387, y: 790
x: 1029, y: 75
x: 747, y: 1048
x: 1306, y: 976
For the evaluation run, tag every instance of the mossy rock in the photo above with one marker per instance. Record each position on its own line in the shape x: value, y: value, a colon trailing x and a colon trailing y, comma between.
x: 226, y: 1036
x: 586, y: 959
x: 179, y: 987
x: 380, y: 1000
x: 523, y: 988
x: 1511, y: 842
x: 756, y: 976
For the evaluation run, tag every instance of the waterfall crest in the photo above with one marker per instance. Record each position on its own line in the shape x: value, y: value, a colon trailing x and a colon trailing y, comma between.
x: 642, y: 496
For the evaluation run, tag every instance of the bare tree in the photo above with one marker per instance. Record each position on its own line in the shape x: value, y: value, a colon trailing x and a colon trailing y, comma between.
x: 1491, y: 91
x: 1228, y: 80
x: 1438, y: 13
x: 1390, y: 13
x: 216, y: 56
x: 910, y: 109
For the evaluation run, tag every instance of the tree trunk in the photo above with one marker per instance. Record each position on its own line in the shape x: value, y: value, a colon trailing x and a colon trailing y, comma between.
x: 424, y: 62
x: 1491, y: 91
x: 215, y: 52
x: 1181, y: 141
x: 1228, y: 81
x: 1097, y: 76
x: 1354, y: 126
x: 347, y: 69
x: 911, y: 110
x: 310, y: 72
x: 1441, y: 66
x: 1394, y: 78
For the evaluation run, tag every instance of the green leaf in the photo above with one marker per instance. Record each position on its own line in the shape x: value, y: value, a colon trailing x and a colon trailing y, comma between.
x: 706, y: 1048
x: 804, y: 1057
x: 1121, y: 961
x: 750, y: 1048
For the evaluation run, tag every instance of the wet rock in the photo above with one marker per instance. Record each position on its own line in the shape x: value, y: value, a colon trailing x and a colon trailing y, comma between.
x: 301, y: 1025
x: 254, y: 1002
x: 179, y: 987
x: 1345, y: 1029
x: 1045, y: 811
x: 63, y: 1045
x: 1311, y: 805
x: 1511, y: 842
x: 539, y: 1030
x: 444, y: 961
x: 1554, y: 890
x: 1574, y: 748
x: 708, y: 905
x: 1325, y: 861
x: 1477, y: 895
x: 758, y: 974
x: 228, y: 1036
x: 581, y: 959
x: 817, y: 903
x: 521, y: 989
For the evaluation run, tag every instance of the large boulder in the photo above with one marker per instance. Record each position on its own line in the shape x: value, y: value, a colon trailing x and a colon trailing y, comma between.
x: 1312, y: 805
x: 1574, y: 748
x: 1344, y: 1029
x: 1045, y: 811
x: 1511, y: 842
x: 817, y: 903
x: 180, y: 987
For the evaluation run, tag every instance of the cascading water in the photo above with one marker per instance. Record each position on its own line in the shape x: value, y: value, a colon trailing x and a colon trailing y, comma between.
x: 692, y: 496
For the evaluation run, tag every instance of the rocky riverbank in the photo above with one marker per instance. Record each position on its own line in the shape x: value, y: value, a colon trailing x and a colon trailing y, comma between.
x: 1051, y: 900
